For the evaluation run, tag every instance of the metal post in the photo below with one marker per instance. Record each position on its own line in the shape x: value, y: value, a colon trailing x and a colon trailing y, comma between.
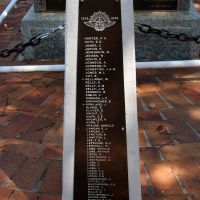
x: 7, y: 10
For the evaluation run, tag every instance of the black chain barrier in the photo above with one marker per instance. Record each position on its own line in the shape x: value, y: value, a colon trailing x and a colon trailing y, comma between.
x: 20, y: 47
x: 144, y: 28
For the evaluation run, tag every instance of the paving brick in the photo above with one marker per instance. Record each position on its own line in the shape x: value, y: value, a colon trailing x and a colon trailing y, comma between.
x: 175, y: 113
x: 152, y: 97
x: 180, y: 73
x: 149, y: 116
x: 39, y: 96
x: 23, y: 90
x: 9, y: 163
x: 6, y: 89
x: 163, y: 178
x: 178, y: 151
x: 155, y: 137
x: 178, y: 197
x: 170, y: 85
x: 37, y: 129
x: 20, y: 195
x: 149, y: 154
x: 189, y: 173
x: 152, y: 198
x: 24, y: 178
x: 54, y: 152
x: 174, y: 99
x: 193, y: 187
x: 57, y: 98
x: 177, y: 122
x: 182, y: 132
x: 186, y: 169
x: 5, y: 193
x: 146, y: 193
x: 28, y: 149
x: 192, y: 114
x: 142, y: 140
x: 53, y: 112
x: 150, y: 87
x: 54, y: 135
x: 190, y: 93
x: 139, y: 105
x: 30, y: 109
x: 163, y: 75
x: 49, y: 197
x: 16, y: 125
x: 143, y: 177
x: 53, y: 180
x: 148, y: 78
x: 197, y: 158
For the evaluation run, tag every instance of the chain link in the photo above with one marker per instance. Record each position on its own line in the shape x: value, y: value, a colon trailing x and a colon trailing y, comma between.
x: 32, y: 42
x: 144, y: 28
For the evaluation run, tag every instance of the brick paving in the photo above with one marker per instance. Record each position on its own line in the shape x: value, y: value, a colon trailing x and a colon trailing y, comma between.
x: 31, y: 128
x: 168, y: 114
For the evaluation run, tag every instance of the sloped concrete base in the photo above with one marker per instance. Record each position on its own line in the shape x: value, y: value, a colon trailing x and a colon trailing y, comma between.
x: 36, y: 23
x: 148, y: 46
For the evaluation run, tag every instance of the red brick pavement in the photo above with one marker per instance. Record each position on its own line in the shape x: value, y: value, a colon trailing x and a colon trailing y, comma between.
x: 31, y: 129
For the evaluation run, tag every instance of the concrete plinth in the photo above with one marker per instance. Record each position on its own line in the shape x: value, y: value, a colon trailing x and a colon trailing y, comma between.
x: 36, y: 23
x: 149, y: 47
x: 152, y: 47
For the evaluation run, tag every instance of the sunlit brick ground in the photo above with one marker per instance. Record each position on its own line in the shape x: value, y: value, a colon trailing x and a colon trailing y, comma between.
x: 169, y: 133
x: 31, y: 128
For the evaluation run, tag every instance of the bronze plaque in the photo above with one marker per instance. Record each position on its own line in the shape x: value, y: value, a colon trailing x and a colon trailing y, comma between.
x: 55, y: 5
x: 155, y: 5
x: 101, y: 170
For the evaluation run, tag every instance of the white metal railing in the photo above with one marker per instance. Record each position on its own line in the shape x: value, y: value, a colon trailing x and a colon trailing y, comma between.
x: 7, y: 10
x: 139, y: 65
x: 32, y: 68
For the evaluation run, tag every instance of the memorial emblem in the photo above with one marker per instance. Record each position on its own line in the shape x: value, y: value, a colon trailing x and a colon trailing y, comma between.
x: 100, y: 21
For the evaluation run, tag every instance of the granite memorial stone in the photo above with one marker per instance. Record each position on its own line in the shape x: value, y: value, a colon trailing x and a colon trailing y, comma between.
x: 139, y: 5
x: 49, y: 5
x: 151, y: 47
x: 156, y: 5
x: 176, y: 16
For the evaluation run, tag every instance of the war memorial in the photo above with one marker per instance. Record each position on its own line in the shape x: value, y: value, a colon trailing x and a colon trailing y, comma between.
x: 101, y: 151
x: 176, y: 16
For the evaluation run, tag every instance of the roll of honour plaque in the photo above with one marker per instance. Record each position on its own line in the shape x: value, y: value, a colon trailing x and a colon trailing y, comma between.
x: 156, y: 5
x: 100, y: 127
x: 59, y: 5
x: 101, y: 156
x: 49, y: 5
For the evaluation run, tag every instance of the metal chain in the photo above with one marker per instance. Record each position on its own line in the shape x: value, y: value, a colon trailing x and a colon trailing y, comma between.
x: 32, y: 42
x: 144, y: 28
